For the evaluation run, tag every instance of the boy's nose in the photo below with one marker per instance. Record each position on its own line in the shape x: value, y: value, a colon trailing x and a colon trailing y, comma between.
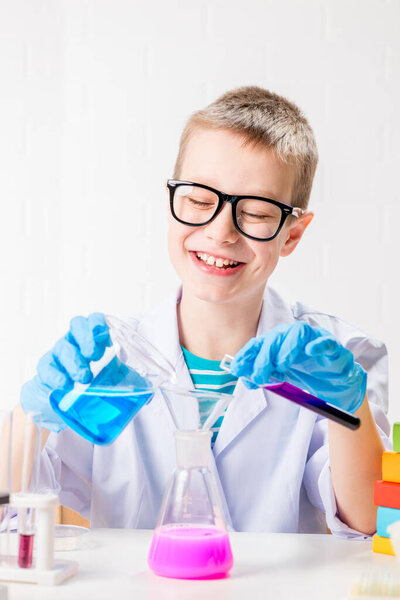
x: 222, y: 229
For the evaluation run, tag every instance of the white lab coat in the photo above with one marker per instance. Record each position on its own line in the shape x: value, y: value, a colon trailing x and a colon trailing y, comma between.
x: 271, y: 457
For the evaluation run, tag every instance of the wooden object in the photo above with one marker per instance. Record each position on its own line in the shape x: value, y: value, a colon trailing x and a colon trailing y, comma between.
x: 382, y: 545
x: 396, y: 436
x: 387, y: 493
x: 391, y: 466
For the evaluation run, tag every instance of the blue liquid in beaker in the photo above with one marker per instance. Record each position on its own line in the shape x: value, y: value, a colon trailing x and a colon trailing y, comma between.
x: 102, y: 410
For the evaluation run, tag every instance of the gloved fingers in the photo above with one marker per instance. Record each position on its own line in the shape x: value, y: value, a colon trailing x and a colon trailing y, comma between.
x: 253, y: 359
x: 341, y: 382
x: 81, y: 334
x: 330, y: 354
x: 242, y: 364
x: 244, y: 360
x: 360, y: 379
x: 324, y: 345
x: 347, y: 362
x: 265, y: 364
x: 68, y: 356
x: 250, y: 385
x: 90, y: 335
x: 50, y: 374
x: 359, y: 373
x: 292, y: 346
x: 101, y: 334
x: 310, y: 381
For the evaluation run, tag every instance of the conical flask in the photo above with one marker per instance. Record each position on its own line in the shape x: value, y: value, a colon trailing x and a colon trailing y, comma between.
x: 191, y: 540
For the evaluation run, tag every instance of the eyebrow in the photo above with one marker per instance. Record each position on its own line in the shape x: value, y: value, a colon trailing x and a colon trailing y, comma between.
x: 261, y: 194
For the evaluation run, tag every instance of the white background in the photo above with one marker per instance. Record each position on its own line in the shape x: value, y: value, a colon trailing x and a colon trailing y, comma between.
x: 93, y: 97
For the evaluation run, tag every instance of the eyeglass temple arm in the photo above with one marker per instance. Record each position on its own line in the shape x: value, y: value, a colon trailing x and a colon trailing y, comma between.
x: 297, y: 212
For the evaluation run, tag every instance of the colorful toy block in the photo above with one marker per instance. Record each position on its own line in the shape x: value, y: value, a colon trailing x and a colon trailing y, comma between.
x: 396, y: 437
x: 382, y: 545
x: 385, y: 517
x: 387, y: 493
x: 391, y: 466
x: 387, y: 496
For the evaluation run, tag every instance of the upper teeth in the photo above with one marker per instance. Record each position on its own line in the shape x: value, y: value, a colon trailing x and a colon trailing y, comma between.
x: 218, y: 262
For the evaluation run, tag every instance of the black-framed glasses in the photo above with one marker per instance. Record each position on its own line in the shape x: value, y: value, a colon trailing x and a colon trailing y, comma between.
x: 255, y: 217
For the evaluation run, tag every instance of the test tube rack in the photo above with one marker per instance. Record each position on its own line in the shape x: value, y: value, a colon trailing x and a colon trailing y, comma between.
x: 45, y: 569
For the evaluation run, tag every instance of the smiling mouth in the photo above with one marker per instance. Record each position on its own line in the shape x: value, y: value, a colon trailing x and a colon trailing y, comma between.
x: 218, y: 262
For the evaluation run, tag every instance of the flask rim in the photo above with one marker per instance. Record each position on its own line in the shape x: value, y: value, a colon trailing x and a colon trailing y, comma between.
x: 193, y: 447
x: 192, y: 433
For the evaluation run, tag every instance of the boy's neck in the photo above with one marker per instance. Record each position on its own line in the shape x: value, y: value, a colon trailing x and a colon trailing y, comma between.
x: 210, y: 330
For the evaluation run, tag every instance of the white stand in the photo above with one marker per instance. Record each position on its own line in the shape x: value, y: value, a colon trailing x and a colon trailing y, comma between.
x: 45, y: 570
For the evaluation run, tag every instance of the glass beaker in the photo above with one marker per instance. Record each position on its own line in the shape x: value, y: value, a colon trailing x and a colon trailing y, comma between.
x: 124, y: 380
x: 191, y: 540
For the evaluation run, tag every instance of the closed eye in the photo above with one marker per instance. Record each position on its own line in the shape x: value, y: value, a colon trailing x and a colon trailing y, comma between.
x: 257, y: 217
x: 199, y: 203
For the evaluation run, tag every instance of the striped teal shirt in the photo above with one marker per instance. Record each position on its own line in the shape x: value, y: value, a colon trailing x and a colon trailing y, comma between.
x: 208, y: 375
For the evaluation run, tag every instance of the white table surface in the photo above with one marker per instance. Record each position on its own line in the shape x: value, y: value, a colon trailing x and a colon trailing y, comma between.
x: 268, y: 566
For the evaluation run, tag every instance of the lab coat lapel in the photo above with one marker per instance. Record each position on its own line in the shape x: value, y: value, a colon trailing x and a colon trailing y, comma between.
x: 247, y: 404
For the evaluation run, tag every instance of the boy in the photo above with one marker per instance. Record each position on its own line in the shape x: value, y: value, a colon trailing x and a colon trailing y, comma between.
x: 238, y: 202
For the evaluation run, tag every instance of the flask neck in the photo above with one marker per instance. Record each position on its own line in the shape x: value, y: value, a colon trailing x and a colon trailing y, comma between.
x: 192, y: 448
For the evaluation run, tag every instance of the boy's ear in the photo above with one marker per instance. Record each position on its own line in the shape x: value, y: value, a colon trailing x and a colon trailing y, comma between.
x: 294, y: 233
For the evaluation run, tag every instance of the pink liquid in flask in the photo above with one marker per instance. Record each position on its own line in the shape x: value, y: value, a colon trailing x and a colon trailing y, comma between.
x: 190, y: 553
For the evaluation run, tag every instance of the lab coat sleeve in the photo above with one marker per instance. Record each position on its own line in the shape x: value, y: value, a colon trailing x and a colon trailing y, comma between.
x: 66, y: 469
x: 372, y: 355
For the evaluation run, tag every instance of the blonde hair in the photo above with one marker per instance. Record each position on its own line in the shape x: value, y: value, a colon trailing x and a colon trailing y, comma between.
x: 265, y: 119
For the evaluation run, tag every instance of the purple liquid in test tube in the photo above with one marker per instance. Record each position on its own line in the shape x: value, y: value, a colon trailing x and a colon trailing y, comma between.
x: 25, y: 550
x: 305, y: 399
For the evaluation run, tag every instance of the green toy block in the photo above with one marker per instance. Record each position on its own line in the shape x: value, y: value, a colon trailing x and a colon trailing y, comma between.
x: 396, y: 436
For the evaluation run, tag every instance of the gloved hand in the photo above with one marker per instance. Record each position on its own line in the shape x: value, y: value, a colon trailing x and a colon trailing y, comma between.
x: 65, y: 364
x: 305, y: 356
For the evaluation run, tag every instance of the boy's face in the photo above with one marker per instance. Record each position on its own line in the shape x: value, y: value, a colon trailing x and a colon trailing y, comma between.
x: 217, y: 157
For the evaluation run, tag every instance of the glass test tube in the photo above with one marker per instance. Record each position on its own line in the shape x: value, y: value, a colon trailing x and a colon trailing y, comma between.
x: 30, y: 474
x: 26, y: 537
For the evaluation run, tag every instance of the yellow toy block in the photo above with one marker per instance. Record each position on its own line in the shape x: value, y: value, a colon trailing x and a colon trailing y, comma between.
x: 391, y: 466
x: 382, y: 545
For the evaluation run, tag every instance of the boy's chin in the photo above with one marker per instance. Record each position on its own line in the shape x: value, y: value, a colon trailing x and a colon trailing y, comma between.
x: 214, y: 294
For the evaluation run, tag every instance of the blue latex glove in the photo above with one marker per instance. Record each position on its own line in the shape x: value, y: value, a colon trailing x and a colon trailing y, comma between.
x: 65, y: 364
x: 305, y: 356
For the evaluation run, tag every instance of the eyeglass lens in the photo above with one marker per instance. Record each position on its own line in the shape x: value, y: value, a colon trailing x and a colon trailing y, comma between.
x: 257, y: 218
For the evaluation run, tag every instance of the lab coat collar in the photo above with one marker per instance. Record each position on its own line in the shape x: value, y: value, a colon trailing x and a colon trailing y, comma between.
x: 160, y: 326
x: 275, y: 311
